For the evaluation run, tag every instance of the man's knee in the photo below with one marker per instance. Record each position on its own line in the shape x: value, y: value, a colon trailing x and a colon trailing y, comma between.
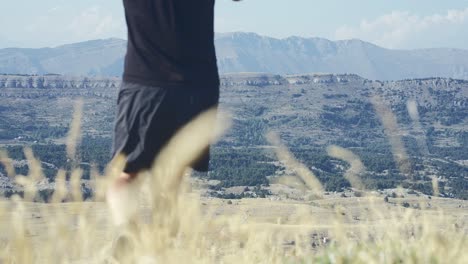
x: 126, y: 178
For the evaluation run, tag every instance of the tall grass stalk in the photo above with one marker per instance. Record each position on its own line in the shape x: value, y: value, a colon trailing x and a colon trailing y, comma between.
x: 171, y: 224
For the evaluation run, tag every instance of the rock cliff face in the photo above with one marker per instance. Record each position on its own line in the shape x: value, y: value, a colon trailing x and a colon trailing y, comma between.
x: 248, y: 52
x: 227, y: 80
x: 56, y: 82
x: 238, y: 79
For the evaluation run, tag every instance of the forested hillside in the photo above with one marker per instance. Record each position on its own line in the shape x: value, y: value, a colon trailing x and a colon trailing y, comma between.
x: 309, y: 112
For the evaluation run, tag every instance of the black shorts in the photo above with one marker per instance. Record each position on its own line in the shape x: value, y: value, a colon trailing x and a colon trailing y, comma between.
x: 148, y: 117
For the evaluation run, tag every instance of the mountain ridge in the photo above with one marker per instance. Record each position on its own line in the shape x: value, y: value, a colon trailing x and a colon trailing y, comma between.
x: 250, y: 52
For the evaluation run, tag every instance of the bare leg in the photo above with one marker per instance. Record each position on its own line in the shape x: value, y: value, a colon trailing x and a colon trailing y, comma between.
x: 122, y: 203
x: 124, y: 180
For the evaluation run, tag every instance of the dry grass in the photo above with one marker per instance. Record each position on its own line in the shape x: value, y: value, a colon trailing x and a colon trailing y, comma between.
x: 170, y: 224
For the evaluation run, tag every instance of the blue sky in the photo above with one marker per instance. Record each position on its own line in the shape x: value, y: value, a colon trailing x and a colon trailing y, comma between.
x: 401, y: 24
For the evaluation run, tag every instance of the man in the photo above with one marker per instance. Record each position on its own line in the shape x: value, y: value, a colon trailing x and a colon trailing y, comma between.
x: 170, y: 77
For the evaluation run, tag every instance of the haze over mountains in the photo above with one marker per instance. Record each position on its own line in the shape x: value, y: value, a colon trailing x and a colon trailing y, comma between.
x: 249, y: 52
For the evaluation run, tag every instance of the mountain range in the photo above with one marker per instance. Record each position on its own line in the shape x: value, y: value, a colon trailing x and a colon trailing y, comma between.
x: 249, y: 52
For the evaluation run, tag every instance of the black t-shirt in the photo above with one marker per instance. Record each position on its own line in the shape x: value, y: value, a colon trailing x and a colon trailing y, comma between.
x: 171, y: 43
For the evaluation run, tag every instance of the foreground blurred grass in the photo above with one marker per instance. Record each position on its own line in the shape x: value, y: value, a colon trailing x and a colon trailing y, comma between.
x: 173, y: 225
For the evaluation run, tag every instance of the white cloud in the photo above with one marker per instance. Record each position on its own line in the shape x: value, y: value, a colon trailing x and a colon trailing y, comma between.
x: 94, y: 23
x: 401, y: 29
x: 58, y: 25
x: 53, y: 9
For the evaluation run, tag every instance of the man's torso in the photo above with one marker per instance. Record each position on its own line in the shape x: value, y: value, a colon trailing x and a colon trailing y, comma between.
x: 171, y: 43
